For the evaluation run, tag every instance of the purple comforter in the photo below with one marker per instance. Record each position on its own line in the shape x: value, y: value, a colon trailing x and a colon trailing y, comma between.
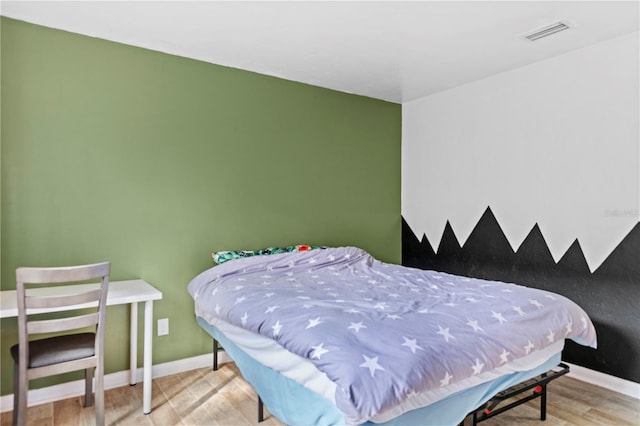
x: 382, y: 332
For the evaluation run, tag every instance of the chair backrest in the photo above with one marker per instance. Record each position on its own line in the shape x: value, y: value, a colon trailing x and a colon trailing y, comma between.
x: 35, y: 295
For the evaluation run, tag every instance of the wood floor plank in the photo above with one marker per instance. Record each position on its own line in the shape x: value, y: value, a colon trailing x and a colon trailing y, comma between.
x: 202, y: 406
x: 41, y: 414
x: 5, y: 418
x: 565, y: 405
x: 174, y: 392
x: 123, y: 406
x: 69, y: 412
x: 244, y: 403
x: 161, y: 411
x: 598, y: 417
x: 221, y: 378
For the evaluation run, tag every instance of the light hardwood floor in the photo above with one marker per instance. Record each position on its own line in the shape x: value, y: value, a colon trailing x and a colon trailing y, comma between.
x: 205, y: 397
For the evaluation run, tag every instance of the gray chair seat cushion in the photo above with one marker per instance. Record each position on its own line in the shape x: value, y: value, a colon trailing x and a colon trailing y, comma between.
x: 54, y: 350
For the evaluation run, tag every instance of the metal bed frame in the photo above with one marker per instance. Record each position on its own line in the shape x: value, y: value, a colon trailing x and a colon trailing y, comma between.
x: 539, y: 386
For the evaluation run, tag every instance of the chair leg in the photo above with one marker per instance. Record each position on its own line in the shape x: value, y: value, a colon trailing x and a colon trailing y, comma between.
x: 16, y: 394
x: 20, y: 392
x: 99, y: 394
x: 88, y: 387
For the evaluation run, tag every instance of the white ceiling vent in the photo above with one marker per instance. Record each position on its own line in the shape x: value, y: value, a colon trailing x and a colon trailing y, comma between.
x: 546, y: 31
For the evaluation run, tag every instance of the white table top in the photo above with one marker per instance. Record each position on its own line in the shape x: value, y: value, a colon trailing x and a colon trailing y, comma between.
x: 120, y: 292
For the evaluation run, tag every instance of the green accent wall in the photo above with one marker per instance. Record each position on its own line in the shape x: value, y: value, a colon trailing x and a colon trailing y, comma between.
x: 153, y: 161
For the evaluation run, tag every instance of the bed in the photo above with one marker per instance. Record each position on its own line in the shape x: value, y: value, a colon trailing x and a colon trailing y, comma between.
x: 334, y: 336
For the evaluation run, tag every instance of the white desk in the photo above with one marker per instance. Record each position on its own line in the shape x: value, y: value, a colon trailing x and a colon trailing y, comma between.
x: 120, y: 292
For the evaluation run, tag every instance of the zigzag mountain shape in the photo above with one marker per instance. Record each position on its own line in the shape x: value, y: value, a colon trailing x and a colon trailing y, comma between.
x: 624, y: 261
x: 610, y: 295
x: 488, y: 243
x: 534, y: 252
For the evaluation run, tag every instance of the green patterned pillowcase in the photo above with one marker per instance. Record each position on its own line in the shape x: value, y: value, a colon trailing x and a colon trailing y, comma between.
x: 222, y: 256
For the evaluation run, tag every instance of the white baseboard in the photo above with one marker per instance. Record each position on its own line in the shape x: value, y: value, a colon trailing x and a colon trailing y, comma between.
x: 121, y: 378
x: 112, y: 380
x: 606, y: 381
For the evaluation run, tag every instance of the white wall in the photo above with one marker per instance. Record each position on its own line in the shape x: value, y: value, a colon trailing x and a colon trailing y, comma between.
x: 554, y: 143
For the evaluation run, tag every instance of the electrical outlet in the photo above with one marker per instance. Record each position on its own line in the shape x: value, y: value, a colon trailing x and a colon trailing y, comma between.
x: 163, y: 326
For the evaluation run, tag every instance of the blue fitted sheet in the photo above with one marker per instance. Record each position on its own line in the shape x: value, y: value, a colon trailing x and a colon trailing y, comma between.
x: 296, y: 405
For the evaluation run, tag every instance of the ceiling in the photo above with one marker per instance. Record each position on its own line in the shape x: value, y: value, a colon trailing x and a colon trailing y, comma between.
x: 390, y: 50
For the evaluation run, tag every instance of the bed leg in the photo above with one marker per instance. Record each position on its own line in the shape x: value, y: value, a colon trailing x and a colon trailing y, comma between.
x: 543, y: 403
x: 543, y: 400
x: 260, y: 410
x: 215, y: 355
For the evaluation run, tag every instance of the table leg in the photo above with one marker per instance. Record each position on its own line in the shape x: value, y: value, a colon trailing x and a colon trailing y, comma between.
x: 133, y: 344
x: 147, y: 367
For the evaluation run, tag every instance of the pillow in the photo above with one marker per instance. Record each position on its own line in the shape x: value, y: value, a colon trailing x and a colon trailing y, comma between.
x: 222, y: 256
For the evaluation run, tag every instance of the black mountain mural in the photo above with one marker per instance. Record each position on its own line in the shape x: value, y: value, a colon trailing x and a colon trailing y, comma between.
x: 610, y: 295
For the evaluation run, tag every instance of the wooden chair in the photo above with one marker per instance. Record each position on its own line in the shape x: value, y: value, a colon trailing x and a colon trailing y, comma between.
x: 62, y: 353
